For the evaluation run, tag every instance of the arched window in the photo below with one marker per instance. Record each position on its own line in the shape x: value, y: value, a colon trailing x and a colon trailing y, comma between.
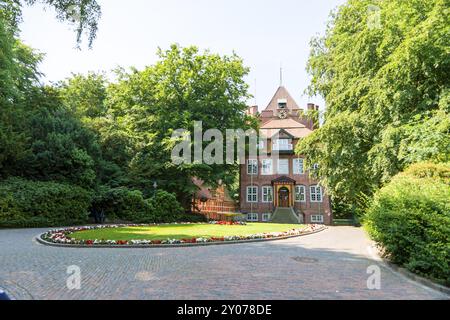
x: 316, y: 194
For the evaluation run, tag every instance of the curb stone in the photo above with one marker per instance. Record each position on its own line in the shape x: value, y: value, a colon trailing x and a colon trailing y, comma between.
x: 412, y: 276
x: 182, y: 245
x: 423, y: 281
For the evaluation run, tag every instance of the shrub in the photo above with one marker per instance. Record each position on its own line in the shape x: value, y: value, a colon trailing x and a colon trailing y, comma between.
x: 121, y: 204
x: 125, y: 205
x: 25, y: 203
x: 410, y: 219
x: 439, y: 171
x: 193, y: 217
x: 165, y: 208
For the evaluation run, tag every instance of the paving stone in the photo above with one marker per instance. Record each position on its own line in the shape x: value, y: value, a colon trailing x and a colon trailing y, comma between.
x: 329, y: 265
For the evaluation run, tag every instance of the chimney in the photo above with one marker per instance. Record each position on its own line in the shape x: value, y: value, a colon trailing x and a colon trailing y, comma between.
x: 311, y: 107
x: 252, y: 111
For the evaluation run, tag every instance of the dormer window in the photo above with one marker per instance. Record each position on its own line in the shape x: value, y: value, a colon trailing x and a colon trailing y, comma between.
x: 282, y: 103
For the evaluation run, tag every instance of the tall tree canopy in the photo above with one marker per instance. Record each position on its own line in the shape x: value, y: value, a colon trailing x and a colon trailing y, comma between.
x: 184, y: 86
x: 386, y: 87
x: 40, y: 137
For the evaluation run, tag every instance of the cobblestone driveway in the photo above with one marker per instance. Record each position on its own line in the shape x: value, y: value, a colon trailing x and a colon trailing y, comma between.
x: 329, y: 265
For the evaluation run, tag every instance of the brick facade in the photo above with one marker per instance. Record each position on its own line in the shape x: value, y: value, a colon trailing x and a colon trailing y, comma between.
x: 281, y: 126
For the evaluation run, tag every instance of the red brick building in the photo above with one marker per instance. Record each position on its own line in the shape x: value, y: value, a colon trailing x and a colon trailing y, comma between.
x: 213, y: 203
x: 279, y: 189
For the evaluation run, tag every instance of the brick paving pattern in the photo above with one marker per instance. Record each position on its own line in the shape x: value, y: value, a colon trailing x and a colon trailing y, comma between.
x: 329, y: 265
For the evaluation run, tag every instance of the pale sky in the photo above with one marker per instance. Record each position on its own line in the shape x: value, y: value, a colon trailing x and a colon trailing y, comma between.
x: 265, y: 33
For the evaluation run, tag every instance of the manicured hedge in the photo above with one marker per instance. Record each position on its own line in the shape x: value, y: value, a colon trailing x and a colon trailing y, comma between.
x: 26, y: 203
x: 410, y: 219
x: 121, y: 204
x: 125, y: 205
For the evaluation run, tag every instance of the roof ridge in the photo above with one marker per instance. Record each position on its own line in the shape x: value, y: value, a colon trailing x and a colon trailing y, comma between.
x: 279, y: 95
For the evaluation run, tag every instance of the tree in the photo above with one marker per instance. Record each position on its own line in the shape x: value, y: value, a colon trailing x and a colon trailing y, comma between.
x: 18, y: 78
x: 381, y: 83
x: 85, y: 95
x: 184, y: 86
x: 83, y: 15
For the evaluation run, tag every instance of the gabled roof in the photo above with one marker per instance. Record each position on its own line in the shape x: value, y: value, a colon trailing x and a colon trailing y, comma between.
x: 281, y: 94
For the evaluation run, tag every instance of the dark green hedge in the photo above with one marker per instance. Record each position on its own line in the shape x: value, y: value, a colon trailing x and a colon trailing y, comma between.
x: 124, y: 205
x: 26, y: 203
x: 410, y: 219
x: 121, y: 204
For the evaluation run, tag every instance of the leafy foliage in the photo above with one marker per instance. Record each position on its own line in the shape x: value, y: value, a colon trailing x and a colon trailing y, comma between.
x: 121, y: 204
x: 386, y: 90
x: 82, y: 15
x: 410, y: 219
x: 112, y: 139
x: 437, y: 171
x: 32, y: 204
x: 85, y: 95
x: 164, y: 207
x: 184, y: 86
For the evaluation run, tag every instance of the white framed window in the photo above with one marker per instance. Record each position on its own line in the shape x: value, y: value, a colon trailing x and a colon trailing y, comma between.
x: 283, y: 145
x: 252, y: 217
x: 282, y: 142
x: 299, y: 166
x: 267, y: 167
x: 267, y: 194
x: 266, y: 217
x: 252, y: 167
x: 261, y: 144
x: 283, y: 166
x: 317, y: 219
x: 300, y: 194
x: 316, y: 193
x: 252, y: 194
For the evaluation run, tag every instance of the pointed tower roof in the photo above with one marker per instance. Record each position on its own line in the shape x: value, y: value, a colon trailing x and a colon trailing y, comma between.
x: 282, y: 95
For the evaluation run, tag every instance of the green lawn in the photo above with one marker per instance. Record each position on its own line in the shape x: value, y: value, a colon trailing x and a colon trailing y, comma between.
x: 181, y: 231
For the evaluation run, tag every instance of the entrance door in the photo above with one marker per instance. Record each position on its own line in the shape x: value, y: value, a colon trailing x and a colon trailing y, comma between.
x: 283, y: 197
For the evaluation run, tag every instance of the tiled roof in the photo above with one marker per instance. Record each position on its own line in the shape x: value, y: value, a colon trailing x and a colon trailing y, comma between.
x: 291, y: 126
x: 283, y: 124
x: 296, y: 133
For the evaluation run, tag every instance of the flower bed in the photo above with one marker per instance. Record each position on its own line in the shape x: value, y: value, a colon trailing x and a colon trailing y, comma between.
x: 63, y: 236
x: 229, y: 223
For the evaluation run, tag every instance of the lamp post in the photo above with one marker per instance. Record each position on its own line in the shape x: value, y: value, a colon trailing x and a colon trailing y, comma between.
x: 155, y: 186
x: 222, y: 204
